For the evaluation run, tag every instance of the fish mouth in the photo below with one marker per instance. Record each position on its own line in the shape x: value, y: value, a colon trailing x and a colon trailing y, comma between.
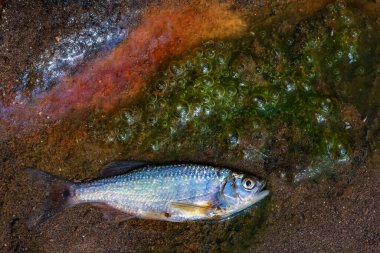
x: 261, y: 186
x: 261, y: 192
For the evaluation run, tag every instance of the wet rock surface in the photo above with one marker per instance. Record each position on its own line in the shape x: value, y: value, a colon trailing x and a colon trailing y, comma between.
x: 331, y: 211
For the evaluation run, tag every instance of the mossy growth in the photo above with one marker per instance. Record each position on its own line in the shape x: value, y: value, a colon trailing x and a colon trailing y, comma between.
x: 224, y: 94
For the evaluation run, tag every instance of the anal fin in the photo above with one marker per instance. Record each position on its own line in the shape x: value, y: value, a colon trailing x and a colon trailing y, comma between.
x: 156, y: 215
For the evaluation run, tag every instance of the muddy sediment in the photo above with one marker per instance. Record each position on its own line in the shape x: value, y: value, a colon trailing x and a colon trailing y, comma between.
x: 335, y: 211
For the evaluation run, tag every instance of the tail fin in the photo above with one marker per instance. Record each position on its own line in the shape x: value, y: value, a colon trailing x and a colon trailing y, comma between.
x: 60, y: 195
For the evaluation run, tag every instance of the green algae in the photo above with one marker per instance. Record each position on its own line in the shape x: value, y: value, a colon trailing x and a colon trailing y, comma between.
x: 234, y: 96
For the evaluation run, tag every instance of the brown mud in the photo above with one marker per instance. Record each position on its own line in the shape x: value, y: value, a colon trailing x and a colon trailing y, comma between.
x: 334, y: 214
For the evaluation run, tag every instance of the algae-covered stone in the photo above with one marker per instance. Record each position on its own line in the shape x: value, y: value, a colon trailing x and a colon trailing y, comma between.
x: 224, y: 93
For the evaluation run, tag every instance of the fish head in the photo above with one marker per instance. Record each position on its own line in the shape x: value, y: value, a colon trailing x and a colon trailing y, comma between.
x: 242, y: 191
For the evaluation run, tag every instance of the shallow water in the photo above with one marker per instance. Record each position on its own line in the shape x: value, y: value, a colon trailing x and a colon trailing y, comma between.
x: 289, y: 98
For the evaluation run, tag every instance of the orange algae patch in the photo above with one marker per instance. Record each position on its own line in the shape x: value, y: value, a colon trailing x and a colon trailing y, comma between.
x: 164, y: 32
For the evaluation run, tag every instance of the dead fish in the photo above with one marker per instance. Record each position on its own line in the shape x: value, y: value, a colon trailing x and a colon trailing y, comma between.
x: 176, y: 193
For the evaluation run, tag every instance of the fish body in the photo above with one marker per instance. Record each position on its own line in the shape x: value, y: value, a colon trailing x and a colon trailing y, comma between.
x: 174, y: 193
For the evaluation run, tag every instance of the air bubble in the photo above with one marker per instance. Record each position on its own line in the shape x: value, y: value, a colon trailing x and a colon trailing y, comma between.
x: 339, y: 54
x: 290, y: 41
x: 164, y: 121
x: 124, y: 136
x: 152, y: 120
x: 342, y: 153
x: 181, y: 83
x: 306, y: 86
x: 210, y: 53
x: 331, y: 8
x: 204, y: 81
x: 176, y: 69
x: 290, y: 86
x: 197, y: 110
x: 155, y: 147
x: 219, y: 91
x: 209, y: 43
x: 225, y: 73
x: 151, y: 106
x: 189, y: 63
x: 223, y: 115
x: 199, y: 52
x: 326, y: 106
x: 231, y: 90
x: 242, y: 84
x: 205, y: 66
x: 173, y: 130
x: 161, y: 86
x: 161, y: 104
x: 309, y: 59
x: 274, y: 97
x: 320, y: 118
x: 341, y: 5
x: 131, y: 116
x: 207, y: 111
x: 232, y: 139
x: 182, y: 109
x: 347, y: 18
x: 240, y: 98
x: 207, y: 99
x: 259, y: 103
x: 204, y: 128
x: 221, y: 60
x: 257, y: 123
x: 110, y: 138
x: 259, y: 70
x: 355, y: 33
x: 235, y: 74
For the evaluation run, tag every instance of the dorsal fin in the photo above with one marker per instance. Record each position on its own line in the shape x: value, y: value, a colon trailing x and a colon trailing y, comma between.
x: 120, y: 167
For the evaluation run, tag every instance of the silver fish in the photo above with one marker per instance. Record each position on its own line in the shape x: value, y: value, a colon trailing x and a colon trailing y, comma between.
x: 175, y: 193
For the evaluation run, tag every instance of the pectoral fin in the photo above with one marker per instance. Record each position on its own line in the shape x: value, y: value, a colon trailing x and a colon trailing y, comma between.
x: 195, y: 209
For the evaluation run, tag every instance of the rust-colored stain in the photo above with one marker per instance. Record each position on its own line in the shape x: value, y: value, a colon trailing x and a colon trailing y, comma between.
x: 103, y: 82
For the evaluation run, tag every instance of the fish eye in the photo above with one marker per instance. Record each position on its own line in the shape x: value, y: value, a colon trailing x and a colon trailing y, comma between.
x: 248, y: 183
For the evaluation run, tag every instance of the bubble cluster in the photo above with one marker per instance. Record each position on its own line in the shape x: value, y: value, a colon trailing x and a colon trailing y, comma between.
x: 224, y: 93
